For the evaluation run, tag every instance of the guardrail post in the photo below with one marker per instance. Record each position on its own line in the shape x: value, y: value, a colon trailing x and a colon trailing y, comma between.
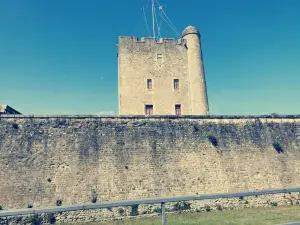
x: 163, y: 213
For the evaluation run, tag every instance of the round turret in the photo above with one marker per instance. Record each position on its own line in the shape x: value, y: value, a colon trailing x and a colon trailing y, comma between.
x: 198, y: 94
x: 190, y: 30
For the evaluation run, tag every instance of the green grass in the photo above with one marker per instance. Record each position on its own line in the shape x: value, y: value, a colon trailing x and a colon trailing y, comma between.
x: 274, y: 215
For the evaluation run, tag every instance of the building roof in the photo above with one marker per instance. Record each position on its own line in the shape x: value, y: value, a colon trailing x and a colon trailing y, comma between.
x: 6, y: 109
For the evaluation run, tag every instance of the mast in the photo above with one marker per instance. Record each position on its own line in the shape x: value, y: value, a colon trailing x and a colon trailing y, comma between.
x: 153, y: 19
x: 156, y: 24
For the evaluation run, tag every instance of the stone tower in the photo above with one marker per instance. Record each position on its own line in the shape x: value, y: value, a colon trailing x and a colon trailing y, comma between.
x: 198, y: 96
x: 162, y: 77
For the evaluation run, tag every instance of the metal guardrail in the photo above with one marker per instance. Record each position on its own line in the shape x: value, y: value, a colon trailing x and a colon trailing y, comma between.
x: 161, y: 201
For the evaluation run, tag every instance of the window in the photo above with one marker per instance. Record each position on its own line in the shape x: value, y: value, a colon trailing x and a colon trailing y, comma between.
x: 178, y: 110
x: 159, y: 58
x: 149, y: 110
x: 176, y: 83
x: 149, y: 83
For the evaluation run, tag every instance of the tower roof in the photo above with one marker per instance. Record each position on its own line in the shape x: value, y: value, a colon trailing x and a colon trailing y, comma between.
x: 190, y: 30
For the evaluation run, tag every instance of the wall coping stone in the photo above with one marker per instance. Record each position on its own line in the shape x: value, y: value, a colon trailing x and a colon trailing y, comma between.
x: 153, y: 117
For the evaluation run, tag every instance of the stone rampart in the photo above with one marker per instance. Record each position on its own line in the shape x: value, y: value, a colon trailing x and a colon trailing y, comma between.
x: 79, y: 159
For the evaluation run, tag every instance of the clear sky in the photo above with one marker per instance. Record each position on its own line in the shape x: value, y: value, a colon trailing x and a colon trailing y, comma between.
x: 60, y: 56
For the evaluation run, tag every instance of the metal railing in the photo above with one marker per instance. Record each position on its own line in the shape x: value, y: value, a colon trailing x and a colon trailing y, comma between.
x: 162, y: 201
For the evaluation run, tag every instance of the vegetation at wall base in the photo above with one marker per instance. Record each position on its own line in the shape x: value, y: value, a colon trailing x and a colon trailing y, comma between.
x: 50, y: 218
x: 249, y: 216
x: 134, y: 210
x: 180, y: 206
x: 274, y: 204
x: 34, y: 220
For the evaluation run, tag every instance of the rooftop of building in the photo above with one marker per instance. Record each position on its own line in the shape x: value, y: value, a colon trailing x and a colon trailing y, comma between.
x: 6, y: 109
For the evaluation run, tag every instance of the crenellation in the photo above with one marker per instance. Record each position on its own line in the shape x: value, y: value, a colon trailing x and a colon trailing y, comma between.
x: 168, y: 40
x: 151, y: 40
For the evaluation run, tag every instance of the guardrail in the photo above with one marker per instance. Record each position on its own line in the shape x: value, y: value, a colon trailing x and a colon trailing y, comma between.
x: 161, y: 201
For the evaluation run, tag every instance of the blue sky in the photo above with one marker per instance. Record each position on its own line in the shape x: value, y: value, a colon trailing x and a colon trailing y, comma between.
x: 60, y: 56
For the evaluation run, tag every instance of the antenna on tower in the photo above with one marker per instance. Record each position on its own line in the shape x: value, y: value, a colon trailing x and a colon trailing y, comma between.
x: 153, y: 17
x: 159, y: 15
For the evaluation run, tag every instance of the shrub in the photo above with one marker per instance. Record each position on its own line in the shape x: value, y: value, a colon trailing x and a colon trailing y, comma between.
x: 121, y: 211
x: 157, y: 210
x: 219, y: 207
x: 297, y: 202
x: 176, y: 206
x: 19, y: 219
x: 246, y: 202
x: 49, y: 180
x: 213, y: 140
x: 179, y: 206
x: 34, y: 220
x: 274, y: 204
x: 58, y: 202
x: 207, y: 208
x: 145, y: 212
x: 241, y: 197
x: 1, y: 208
x: 277, y: 147
x: 186, y: 206
x: 134, y: 210
x: 29, y: 206
x: 50, y: 218
x: 198, y: 210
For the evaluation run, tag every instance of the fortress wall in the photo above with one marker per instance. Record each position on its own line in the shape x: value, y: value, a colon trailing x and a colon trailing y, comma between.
x: 118, y: 158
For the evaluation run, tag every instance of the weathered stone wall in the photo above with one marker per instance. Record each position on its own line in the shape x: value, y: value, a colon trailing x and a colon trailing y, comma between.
x: 77, y: 159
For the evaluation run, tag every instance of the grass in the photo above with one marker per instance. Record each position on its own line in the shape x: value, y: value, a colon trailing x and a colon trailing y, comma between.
x: 265, y: 216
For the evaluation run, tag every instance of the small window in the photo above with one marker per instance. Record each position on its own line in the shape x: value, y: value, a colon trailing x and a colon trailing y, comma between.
x: 159, y: 58
x: 149, y: 83
x: 176, y: 83
x: 178, y: 110
x: 149, y: 110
